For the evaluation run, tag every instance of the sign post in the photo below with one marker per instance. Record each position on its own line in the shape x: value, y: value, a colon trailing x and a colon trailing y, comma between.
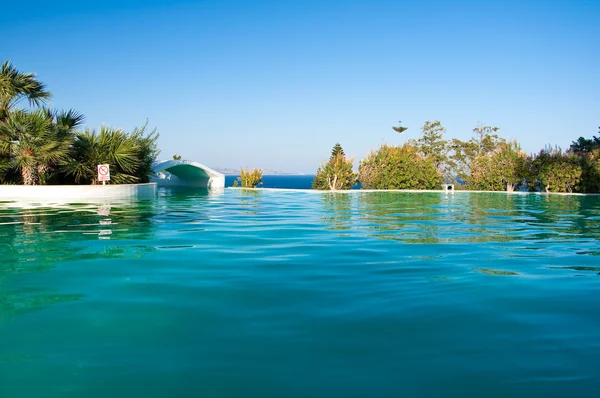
x: 103, y: 173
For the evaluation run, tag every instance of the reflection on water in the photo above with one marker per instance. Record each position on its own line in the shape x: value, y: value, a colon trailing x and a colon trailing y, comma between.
x: 38, y: 239
x: 337, y: 210
x: 16, y: 302
x: 441, y: 217
x: 389, y: 215
x: 301, y: 294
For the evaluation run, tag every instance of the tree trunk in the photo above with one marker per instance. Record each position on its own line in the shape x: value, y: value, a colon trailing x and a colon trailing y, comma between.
x: 30, y: 175
x: 510, y: 187
x: 547, y: 188
x: 43, y: 171
x: 333, y: 186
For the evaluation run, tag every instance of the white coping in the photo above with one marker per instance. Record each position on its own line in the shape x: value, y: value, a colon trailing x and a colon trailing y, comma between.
x: 60, y: 193
x: 216, y: 180
x: 352, y: 191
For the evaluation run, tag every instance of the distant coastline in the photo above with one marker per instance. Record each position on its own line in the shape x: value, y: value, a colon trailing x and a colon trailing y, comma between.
x: 266, y: 172
x: 281, y: 181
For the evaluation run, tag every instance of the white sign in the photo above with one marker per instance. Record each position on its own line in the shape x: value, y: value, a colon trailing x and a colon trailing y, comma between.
x: 103, y: 172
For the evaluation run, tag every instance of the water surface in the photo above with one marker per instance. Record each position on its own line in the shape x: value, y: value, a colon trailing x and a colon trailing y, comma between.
x: 271, y: 294
x: 280, y: 181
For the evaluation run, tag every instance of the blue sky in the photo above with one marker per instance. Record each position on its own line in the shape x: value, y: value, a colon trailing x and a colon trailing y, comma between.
x: 275, y: 84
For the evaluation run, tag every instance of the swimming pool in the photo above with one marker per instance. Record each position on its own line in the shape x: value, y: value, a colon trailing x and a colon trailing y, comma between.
x: 302, y: 293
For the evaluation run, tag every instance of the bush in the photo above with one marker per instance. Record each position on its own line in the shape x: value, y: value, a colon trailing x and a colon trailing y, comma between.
x: 503, y: 169
x: 554, y: 171
x: 589, y: 152
x: 337, y: 173
x: 249, y: 179
x: 130, y: 156
x: 401, y: 167
x: 590, y: 176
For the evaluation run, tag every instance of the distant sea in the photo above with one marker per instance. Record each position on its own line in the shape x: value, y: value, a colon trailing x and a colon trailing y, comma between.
x: 280, y: 181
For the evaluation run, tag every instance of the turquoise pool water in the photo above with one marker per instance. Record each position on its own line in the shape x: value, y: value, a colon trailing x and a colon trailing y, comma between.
x: 302, y: 294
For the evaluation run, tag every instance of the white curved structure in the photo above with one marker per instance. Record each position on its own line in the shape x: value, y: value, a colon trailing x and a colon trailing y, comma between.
x: 187, y: 173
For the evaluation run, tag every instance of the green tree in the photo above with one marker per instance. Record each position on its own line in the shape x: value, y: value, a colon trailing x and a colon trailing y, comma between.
x: 463, y: 153
x: 588, y: 149
x: 585, y: 145
x: 486, y: 138
x: 431, y: 144
x: 337, y: 173
x: 500, y: 170
x: 337, y: 150
x: 32, y: 144
x: 176, y: 157
x: 16, y: 86
x: 402, y: 167
x: 555, y: 171
x: 147, y: 150
x: 590, y: 173
x: 129, y: 156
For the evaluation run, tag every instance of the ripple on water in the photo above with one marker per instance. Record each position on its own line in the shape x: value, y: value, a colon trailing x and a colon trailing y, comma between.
x: 287, y: 293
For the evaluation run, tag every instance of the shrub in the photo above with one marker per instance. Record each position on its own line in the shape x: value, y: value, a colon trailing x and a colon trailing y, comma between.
x: 554, y: 171
x: 590, y: 176
x: 337, y: 173
x: 130, y: 156
x: 503, y: 169
x: 401, y: 167
x: 249, y: 179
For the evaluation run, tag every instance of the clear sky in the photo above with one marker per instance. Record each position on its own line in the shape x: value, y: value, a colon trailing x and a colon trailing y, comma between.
x: 275, y: 84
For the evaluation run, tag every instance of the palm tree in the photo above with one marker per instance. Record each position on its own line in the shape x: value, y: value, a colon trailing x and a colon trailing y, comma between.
x: 34, y: 144
x: 16, y: 86
x: 110, y: 146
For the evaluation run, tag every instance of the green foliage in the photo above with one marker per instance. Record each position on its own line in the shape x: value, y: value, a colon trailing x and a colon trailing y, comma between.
x: 500, y: 170
x: 486, y: 138
x: 589, y: 152
x: 147, y: 151
x: 590, y: 176
x: 16, y: 86
x: 42, y: 146
x: 337, y: 150
x: 176, y: 157
x: 33, y: 144
x: 249, y: 179
x: 432, y: 145
x: 401, y: 167
x: 129, y: 156
x: 337, y: 173
x: 554, y: 171
x: 463, y: 153
x: 584, y: 145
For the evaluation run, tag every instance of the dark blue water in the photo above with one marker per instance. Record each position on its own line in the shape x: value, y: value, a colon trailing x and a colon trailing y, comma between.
x: 246, y: 293
x: 280, y: 181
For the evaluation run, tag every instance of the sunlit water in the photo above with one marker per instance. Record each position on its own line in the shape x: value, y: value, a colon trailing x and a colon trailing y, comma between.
x: 302, y: 294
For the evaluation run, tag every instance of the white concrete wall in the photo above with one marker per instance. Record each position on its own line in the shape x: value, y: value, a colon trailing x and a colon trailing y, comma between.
x: 57, y: 193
